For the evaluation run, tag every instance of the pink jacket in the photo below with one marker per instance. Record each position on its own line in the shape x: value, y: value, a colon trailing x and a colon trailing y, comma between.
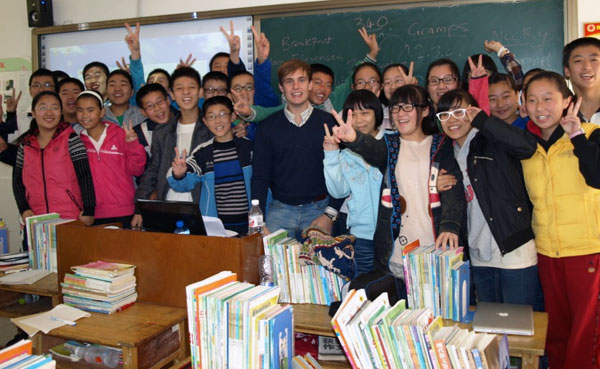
x: 49, y: 176
x: 113, y: 168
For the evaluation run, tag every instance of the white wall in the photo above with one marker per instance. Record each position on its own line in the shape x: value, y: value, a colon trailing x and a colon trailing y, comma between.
x: 17, y: 43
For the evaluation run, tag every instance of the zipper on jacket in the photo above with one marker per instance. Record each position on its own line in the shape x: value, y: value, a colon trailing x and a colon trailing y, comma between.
x: 44, y: 181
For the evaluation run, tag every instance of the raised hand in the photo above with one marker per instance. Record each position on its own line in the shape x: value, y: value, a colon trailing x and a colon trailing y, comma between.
x: 130, y: 134
x: 263, y: 46
x: 371, y: 42
x: 408, y: 78
x: 123, y: 65
x: 240, y: 106
x: 179, y: 165
x: 187, y: 63
x: 344, y: 132
x: 477, y: 70
x: 570, y: 122
x: 472, y: 112
x: 132, y: 39
x: 12, y: 102
x: 445, y: 181
x: 234, y: 43
x: 492, y: 46
x: 329, y: 141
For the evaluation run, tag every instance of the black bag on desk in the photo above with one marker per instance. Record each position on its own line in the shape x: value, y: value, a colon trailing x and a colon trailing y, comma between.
x: 375, y: 283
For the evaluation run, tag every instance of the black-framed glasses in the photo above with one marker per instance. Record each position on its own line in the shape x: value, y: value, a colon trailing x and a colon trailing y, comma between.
x: 249, y: 87
x: 220, y: 115
x: 408, y: 107
x: 45, y: 84
x: 448, y: 80
x: 457, y: 113
x: 219, y: 90
x: 371, y: 82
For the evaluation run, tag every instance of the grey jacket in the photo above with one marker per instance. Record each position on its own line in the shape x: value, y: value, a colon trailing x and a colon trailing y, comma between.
x: 164, y: 140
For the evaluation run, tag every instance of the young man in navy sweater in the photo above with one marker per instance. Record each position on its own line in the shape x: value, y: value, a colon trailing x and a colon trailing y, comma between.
x: 288, y: 158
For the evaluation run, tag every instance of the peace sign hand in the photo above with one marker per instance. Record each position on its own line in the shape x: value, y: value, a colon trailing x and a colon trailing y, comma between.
x: 179, y: 165
x: 234, y: 43
x: 472, y: 112
x: 240, y: 106
x: 123, y: 65
x: 477, y: 70
x: 130, y: 134
x: 187, y: 63
x: 408, y: 78
x: 344, y: 132
x: 12, y: 102
x: 570, y: 122
x: 330, y: 142
x: 371, y: 42
x: 263, y: 46
x: 133, y: 41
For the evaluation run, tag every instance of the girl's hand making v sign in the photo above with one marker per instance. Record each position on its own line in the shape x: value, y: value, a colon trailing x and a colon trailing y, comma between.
x: 344, y: 132
x: 130, y: 134
x: 570, y: 122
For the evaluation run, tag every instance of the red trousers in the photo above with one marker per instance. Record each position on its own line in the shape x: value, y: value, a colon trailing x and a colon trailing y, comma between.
x: 572, y: 298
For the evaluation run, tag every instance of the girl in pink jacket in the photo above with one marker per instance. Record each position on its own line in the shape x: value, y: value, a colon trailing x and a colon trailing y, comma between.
x: 115, y: 156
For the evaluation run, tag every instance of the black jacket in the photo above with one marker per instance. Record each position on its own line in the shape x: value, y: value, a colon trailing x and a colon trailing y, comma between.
x: 494, y: 167
x: 383, y: 155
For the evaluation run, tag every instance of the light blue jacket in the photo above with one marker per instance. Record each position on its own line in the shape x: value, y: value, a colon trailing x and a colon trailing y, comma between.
x: 347, y: 174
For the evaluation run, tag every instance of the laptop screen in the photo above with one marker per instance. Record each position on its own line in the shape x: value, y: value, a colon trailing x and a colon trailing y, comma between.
x: 162, y: 216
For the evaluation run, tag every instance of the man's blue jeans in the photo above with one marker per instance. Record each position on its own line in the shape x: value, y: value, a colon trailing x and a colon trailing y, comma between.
x: 293, y: 218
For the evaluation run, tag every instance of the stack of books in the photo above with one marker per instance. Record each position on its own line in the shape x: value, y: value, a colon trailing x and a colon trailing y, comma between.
x: 300, y: 283
x: 238, y: 325
x: 305, y: 362
x: 438, y: 280
x: 100, y: 287
x: 377, y: 335
x: 41, y: 235
x: 14, y: 262
x: 19, y: 356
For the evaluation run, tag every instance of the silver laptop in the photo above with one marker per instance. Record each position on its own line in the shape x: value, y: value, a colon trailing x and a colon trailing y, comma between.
x: 503, y: 319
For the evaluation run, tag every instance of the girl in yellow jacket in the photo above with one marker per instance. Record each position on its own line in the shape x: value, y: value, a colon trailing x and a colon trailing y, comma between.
x: 563, y: 181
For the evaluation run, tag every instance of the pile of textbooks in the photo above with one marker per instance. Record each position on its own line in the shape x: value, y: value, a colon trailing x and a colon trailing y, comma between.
x: 19, y: 356
x: 374, y: 334
x: 100, y: 287
x: 438, y: 279
x: 238, y: 325
x: 14, y: 262
x: 300, y: 283
x: 41, y: 235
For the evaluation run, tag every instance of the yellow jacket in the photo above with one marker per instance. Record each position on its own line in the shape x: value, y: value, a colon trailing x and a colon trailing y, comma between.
x: 566, y: 211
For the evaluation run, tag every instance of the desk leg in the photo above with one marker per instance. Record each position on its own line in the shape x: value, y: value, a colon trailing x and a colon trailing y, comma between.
x: 130, y: 358
x: 36, y: 341
x: 530, y: 362
x: 55, y: 300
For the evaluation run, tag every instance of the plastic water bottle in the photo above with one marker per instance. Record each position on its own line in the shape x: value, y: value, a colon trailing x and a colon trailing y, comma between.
x: 98, y: 355
x: 181, y: 228
x: 265, y: 270
x: 255, y: 218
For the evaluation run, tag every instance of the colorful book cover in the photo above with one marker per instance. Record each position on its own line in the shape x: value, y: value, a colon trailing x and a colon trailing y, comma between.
x: 281, y: 328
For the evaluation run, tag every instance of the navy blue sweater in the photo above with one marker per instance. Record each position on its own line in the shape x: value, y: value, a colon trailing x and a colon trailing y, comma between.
x: 289, y: 159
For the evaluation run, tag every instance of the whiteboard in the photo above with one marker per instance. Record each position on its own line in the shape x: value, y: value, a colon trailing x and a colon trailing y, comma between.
x: 162, y: 45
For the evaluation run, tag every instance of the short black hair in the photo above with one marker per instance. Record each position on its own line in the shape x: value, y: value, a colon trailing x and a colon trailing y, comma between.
x: 440, y: 62
x: 215, y: 76
x: 120, y: 72
x: 217, y: 100
x: 394, y: 66
x: 70, y: 80
x: 185, y: 72
x: 60, y: 75
x: 147, y: 89
x: 488, y: 63
x: 160, y: 70
x: 415, y: 94
x: 322, y: 68
x: 217, y: 55
x: 503, y: 77
x: 554, y: 78
x: 455, y: 97
x: 363, y: 99
x: 96, y: 64
x: 366, y: 65
x: 238, y: 73
x: 578, y: 42
x: 43, y: 72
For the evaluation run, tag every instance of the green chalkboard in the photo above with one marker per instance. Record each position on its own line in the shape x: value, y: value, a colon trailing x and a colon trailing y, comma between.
x: 532, y: 30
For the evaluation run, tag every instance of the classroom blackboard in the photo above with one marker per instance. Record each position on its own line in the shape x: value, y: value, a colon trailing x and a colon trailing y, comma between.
x: 532, y: 30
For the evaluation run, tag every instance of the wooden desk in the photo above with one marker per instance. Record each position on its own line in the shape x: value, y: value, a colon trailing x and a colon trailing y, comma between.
x: 315, y: 319
x: 150, y: 335
x: 46, y: 288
